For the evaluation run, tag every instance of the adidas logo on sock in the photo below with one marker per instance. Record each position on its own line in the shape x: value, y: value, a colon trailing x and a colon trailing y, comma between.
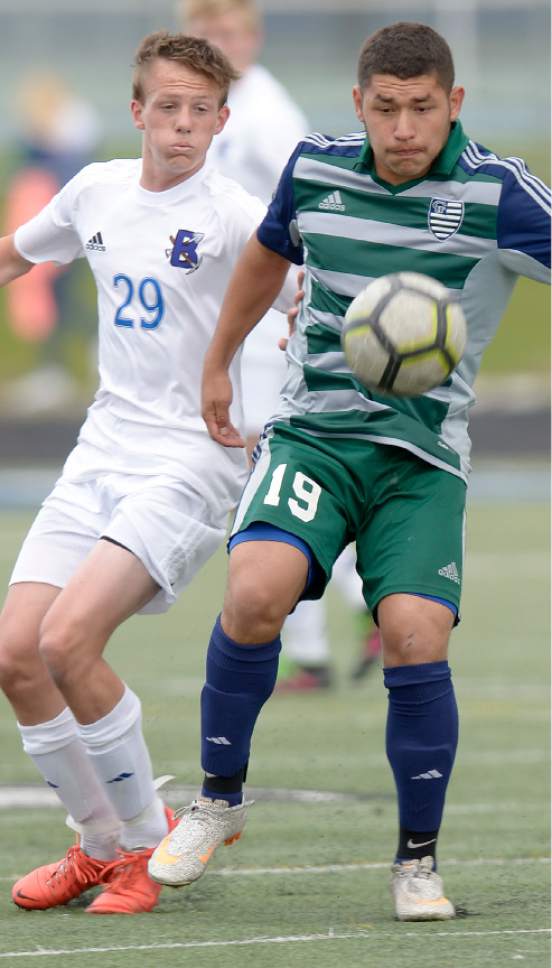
x: 218, y: 740
x: 332, y: 203
x: 430, y: 775
x: 96, y: 243
x: 450, y: 571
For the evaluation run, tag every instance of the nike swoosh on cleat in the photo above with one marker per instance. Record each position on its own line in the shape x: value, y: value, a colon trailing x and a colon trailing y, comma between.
x: 162, y: 855
x: 424, y: 843
x: 25, y: 897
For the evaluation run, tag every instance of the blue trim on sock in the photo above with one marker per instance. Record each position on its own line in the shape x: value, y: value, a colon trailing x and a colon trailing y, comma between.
x: 264, y: 652
x: 413, y: 674
x: 233, y: 799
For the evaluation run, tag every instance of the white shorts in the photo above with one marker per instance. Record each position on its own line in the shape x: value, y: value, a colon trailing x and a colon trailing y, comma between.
x: 166, y: 523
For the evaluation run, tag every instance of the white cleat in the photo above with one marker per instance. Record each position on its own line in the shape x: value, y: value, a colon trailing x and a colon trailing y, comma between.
x: 183, y: 854
x: 418, y: 892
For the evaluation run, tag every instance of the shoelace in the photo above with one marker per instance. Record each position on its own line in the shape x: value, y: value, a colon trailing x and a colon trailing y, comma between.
x: 124, y: 866
x: 77, y: 862
x: 199, y: 814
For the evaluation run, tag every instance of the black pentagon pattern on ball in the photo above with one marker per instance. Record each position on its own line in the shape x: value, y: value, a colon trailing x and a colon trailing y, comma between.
x: 396, y: 359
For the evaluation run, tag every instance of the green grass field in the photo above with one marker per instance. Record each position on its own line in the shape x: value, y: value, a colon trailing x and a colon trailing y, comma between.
x: 307, y: 885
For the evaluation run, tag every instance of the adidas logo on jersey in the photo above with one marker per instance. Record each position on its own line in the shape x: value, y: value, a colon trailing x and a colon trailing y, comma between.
x: 450, y: 571
x: 96, y: 243
x: 332, y: 203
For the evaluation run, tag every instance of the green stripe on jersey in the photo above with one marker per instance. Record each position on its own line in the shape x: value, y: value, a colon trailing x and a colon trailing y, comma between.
x: 422, y: 409
x: 370, y: 259
x: 478, y: 220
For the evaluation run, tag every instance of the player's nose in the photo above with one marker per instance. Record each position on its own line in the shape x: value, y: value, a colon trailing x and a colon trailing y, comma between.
x: 184, y: 121
x: 404, y: 128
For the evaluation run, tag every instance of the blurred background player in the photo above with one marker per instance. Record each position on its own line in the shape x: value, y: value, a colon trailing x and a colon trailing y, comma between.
x: 264, y: 127
x: 59, y: 134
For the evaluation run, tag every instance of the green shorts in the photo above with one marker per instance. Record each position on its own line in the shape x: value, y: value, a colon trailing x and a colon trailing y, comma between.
x: 406, y: 516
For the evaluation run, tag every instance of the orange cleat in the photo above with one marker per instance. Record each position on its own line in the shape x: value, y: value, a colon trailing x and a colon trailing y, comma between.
x: 54, y: 884
x: 128, y: 887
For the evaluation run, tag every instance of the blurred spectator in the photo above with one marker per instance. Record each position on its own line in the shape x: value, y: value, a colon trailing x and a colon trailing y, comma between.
x: 59, y: 135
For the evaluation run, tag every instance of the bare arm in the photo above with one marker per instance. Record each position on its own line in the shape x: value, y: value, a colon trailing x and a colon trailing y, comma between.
x: 12, y: 264
x: 257, y: 280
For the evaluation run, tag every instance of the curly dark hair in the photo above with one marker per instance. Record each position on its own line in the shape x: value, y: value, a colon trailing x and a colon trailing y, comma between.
x: 406, y: 49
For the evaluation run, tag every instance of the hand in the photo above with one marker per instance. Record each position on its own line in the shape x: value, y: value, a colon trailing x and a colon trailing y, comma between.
x: 293, y: 312
x: 216, y: 400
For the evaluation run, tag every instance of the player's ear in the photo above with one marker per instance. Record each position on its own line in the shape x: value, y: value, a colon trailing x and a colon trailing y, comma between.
x: 357, y: 101
x: 222, y: 118
x: 456, y: 99
x: 136, y: 108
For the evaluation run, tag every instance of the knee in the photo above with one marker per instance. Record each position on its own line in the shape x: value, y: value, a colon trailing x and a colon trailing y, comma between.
x: 414, y: 630
x: 60, y: 647
x: 251, y: 613
x: 19, y: 659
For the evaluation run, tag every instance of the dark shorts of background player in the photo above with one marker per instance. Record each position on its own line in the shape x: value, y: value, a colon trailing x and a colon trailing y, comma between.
x: 406, y: 516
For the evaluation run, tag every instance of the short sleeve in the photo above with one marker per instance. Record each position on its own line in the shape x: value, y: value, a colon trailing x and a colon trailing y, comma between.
x: 278, y: 230
x: 51, y: 235
x: 523, y: 226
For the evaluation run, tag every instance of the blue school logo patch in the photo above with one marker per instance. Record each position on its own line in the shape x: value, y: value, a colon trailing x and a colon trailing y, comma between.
x: 184, y: 254
x: 445, y: 217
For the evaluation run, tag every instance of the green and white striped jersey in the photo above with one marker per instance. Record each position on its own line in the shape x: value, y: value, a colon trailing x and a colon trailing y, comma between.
x: 474, y: 222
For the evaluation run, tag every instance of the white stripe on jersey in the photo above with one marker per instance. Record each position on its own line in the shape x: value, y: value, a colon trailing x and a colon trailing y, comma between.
x: 525, y: 174
x: 532, y: 185
x: 322, y: 141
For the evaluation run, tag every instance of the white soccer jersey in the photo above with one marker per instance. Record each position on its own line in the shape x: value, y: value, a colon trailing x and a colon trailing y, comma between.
x: 264, y: 127
x: 161, y: 262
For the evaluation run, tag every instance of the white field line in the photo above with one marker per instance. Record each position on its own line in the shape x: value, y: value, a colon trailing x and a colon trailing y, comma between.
x: 355, y: 866
x: 289, y: 939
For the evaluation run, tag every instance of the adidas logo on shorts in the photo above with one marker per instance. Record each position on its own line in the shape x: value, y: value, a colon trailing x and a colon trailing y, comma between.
x: 451, y: 572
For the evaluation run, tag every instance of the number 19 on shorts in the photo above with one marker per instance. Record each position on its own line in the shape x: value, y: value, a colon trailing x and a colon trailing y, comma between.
x: 307, y: 493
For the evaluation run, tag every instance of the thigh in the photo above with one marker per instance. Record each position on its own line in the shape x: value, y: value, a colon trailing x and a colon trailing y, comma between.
x: 413, y: 539
x: 109, y: 586
x: 299, y: 488
x: 171, y: 529
x: 62, y: 535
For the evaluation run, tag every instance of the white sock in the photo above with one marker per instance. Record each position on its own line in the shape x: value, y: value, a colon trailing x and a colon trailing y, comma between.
x: 61, y: 758
x: 304, y: 635
x: 118, y: 752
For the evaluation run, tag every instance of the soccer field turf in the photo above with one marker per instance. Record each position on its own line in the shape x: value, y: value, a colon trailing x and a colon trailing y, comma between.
x: 308, y: 883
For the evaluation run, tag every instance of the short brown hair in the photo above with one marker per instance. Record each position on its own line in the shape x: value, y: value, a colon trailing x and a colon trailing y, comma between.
x: 192, y: 52
x: 191, y: 9
x: 406, y: 49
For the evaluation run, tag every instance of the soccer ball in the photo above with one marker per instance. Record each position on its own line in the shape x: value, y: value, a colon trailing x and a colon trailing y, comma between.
x: 403, y: 334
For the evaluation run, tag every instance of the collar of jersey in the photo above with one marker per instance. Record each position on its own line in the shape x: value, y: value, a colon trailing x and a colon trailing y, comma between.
x: 186, y: 187
x: 443, y: 164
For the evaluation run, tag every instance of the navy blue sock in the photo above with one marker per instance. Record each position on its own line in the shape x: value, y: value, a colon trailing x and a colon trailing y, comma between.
x: 239, y: 680
x: 421, y: 741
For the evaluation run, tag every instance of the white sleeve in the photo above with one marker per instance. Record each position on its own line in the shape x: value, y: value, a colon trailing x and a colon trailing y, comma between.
x: 285, y: 300
x: 51, y: 235
x: 243, y: 218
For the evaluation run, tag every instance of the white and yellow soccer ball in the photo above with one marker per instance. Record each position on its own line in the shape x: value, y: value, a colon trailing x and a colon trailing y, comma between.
x: 403, y: 334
